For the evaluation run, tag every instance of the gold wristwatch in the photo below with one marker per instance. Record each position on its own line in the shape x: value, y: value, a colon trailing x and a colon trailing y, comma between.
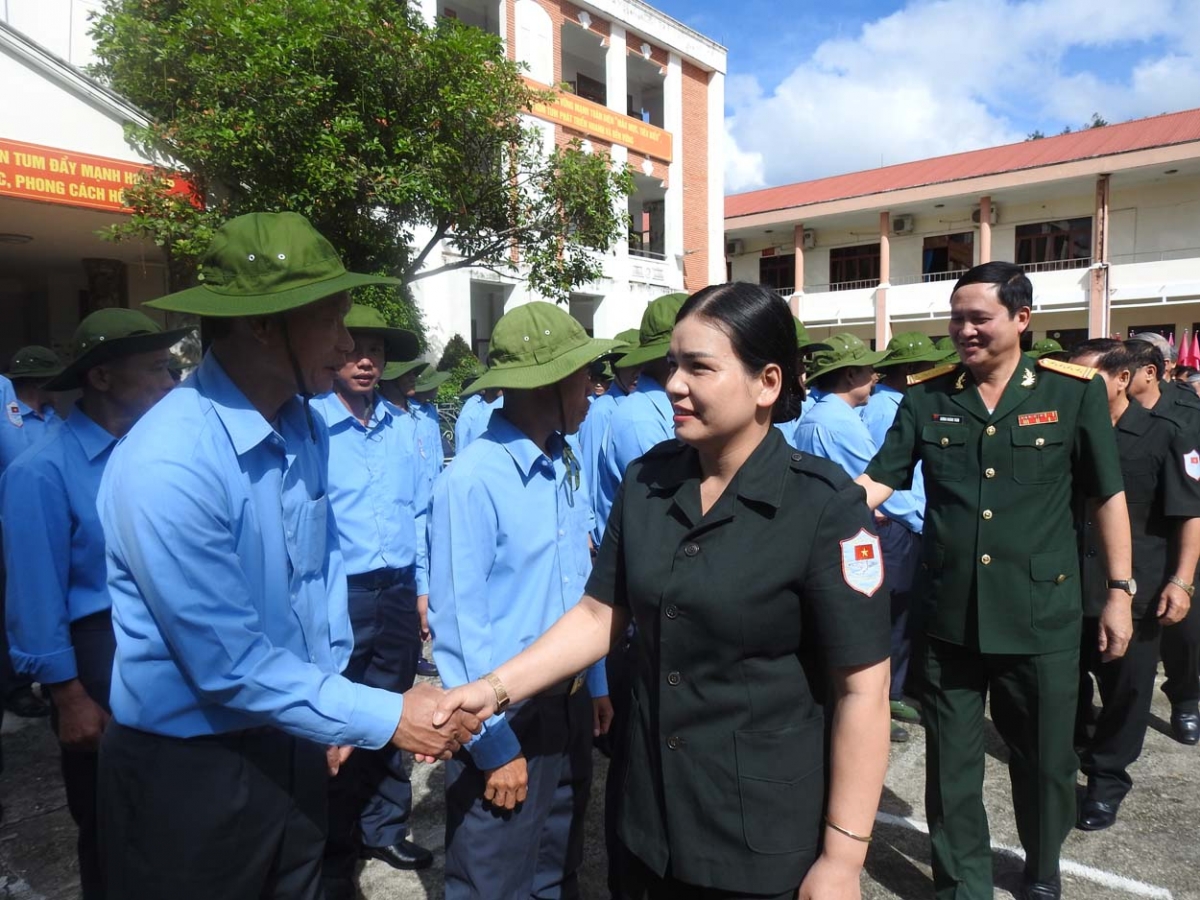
x: 502, y: 698
x: 1189, y: 589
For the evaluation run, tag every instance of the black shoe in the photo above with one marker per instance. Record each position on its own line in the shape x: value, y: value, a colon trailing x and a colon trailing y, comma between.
x: 1185, y: 726
x: 1095, y: 815
x: 899, y: 735
x: 1042, y: 890
x: 22, y: 702
x: 401, y: 855
x: 426, y: 668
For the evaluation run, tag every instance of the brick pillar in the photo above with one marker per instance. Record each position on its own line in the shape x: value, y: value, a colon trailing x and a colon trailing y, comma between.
x: 1098, y: 307
x: 985, y: 229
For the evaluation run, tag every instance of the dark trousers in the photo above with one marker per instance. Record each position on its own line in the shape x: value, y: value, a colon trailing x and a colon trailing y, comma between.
x: 370, y: 799
x: 1126, y: 691
x: 95, y: 646
x: 1181, y: 660
x: 1033, y: 707
x: 901, y: 550
x: 535, y: 850
x: 619, y: 667
x: 238, y: 816
x: 640, y: 882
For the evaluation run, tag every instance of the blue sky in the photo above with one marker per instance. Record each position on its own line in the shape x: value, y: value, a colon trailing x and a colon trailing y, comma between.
x: 815, y: 89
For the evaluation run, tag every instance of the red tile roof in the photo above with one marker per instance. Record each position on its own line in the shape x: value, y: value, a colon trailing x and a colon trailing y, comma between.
x: 1140, y: 134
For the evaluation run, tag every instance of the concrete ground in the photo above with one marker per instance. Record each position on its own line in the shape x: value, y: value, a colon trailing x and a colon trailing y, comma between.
x: 1153, y: 851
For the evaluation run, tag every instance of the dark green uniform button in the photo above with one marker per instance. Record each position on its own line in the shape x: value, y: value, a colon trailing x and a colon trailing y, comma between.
x: 674, y: 743
x: 674, y: 678
x: 691, y: 549
x: 671, y: 612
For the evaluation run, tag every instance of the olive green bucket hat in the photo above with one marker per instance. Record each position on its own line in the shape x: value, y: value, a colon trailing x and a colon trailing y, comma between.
x: 394, y: 370
x: 398, y: 345
x: 654, y: 337
x: 910, y: 347
x: 535, y: 345
x: 946, y: 348
x: 844, y: 350
x: 431, y: 380
x: 34, y: 361
x: 1046, y: 347
x: 625, y: 340
x: 109, y: 334
x: 265, y: 263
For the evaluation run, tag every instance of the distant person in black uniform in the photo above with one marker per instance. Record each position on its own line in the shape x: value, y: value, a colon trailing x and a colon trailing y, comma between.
x: 749, y: 568
x: 1161, y: 470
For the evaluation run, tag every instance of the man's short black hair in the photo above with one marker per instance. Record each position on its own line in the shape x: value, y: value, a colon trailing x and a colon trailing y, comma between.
x: 1144, y: 353
x: 1111, y: 355
x: 1013, y: 286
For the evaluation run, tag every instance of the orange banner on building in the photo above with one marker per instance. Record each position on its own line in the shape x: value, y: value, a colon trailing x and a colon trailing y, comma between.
x: 604, y: 124
x: 33, y: 172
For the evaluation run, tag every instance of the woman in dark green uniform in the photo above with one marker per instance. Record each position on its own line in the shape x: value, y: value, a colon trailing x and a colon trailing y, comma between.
x: 749, y: 569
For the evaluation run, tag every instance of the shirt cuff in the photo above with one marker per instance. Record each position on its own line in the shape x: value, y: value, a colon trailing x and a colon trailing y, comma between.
x: 597, y: 679
x: 422, y: 580
x: 376, y: 714
x: 47, y: 668
x: 496, y: 745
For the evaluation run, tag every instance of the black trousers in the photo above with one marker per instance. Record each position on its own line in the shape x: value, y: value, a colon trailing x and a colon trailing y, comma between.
x: 619, y: 667
x: 640, y: 882
x: 1181, y: 660
x: 238, y: 816
x: 1126, y: 690
x: 901, y: 550
x: 95, y: 646
x: 535, y: 850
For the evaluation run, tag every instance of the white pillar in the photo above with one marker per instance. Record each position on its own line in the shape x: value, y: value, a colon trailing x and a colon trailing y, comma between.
x: 502, y: 22
x: 673, y: 122
x: 615, y: 70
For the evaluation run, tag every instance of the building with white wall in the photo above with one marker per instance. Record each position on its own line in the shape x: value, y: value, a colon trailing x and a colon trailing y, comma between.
x: 1106, y: 222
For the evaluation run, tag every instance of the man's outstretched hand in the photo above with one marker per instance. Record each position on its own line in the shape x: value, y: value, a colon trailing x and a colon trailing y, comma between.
x: 417, y: 733
x: 477, y: 698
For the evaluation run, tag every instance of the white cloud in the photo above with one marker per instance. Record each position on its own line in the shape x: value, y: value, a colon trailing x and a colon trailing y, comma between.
x: 950, y: 75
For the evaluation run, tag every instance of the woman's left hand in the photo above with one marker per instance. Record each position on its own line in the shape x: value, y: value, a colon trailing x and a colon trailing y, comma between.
x: 831, y: 879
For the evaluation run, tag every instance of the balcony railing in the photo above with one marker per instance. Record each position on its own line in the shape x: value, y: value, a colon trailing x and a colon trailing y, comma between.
x: 1155, y: 256
x: 1057, y: 265
x: 639, y: 251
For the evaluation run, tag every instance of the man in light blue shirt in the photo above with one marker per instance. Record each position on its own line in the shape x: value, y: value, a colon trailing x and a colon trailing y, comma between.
x: 645, y: 418
x: 474, y: 417
x: 908, y: 354
x: 379, y: 495
x: 805, y: 347
x: 595, y: 427
x: 58, y: 620
x: 29, y: 413
x: 508, y: 557
x: 229, y: 593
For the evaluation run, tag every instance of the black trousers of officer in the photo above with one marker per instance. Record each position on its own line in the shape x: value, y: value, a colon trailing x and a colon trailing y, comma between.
x: 535, y: 850
x: 620, y: 669
x: 95, y: 646
x: 1126, y: 691
x: 370, y: 799
x: 1033, y: 701
x: 1181, y: 661
x: 901, y: 551
x: 236, y: 816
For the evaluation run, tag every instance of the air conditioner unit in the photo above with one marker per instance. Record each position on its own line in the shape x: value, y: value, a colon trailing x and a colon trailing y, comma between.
x: 810, y: 239
x: 977, y: 216
x: 735, y: 247
x: 902, y: 224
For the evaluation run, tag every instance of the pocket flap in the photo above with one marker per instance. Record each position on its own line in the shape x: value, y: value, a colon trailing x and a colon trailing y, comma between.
x: 783, y: 755
x: 1039, y: 436
x: 1057, y: 566
x: 944, y: 435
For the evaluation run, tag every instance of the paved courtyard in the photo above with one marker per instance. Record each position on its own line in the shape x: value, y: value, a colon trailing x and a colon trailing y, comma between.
x: 1153, y: 851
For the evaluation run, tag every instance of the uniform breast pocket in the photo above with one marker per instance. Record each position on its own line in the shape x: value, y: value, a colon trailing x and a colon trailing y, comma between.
x: 1141, y: 479
x: 944, y: 451
x: 1039, y: 454
x: 307, y: 537
x: 781, y: 782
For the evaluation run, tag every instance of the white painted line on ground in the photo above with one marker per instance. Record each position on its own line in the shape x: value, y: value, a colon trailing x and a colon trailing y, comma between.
x: 1069, y: 867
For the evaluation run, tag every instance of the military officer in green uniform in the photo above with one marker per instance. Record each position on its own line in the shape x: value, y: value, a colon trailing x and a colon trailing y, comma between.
x: 1005, y: 442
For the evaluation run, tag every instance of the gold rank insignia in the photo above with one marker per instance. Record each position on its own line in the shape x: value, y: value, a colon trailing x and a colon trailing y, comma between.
x: 935, y: 372
x: 1083, y: 373
x: 961, y: 382
x: 1028, y: 379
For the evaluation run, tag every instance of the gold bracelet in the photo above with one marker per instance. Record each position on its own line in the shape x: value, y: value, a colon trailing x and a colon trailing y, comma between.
x: 847, y: 832
x: 502, y: 698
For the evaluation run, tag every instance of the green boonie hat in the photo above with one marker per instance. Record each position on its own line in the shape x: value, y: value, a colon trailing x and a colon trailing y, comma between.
x: 34, y: 361
x: 265, y: 263
x: 1046, y: 347
x: 394, y: 370
x: 910, y: 347
x: 947, y: 350
x: 844, y: 350
x: 625, y: 340
x: 654, y: 337
x: 535, y: 345
x: 431, y: 380
x: 109, y: 334
x: 398, y: 345
x: 469, y: 379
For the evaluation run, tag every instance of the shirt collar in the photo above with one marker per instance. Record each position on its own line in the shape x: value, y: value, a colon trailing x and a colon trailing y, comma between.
x: 335, y: 413
x: 524, y: 452
x: 1135, y: 419
x: 243, y: 423
x: 92, y: 438
x: 761, y: 479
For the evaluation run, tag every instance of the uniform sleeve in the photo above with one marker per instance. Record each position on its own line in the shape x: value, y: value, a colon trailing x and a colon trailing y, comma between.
x: 37, y: 546
x: 607, y: 581
x: 853, y: 627
x: 1096, y: 461
x: 896, y: 460
x: 1181, y: 492
x: 422, y: 486
x: 177, y: 544
x: 462, y: 540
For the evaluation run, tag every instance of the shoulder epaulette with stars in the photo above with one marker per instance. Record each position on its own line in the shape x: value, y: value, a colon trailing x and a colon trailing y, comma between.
x: 935, y: 372
x: 1083, y: 373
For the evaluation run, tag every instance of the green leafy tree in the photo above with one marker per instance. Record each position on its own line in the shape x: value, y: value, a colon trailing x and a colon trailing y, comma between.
x: 457, y: 351
x: 391, y: 136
